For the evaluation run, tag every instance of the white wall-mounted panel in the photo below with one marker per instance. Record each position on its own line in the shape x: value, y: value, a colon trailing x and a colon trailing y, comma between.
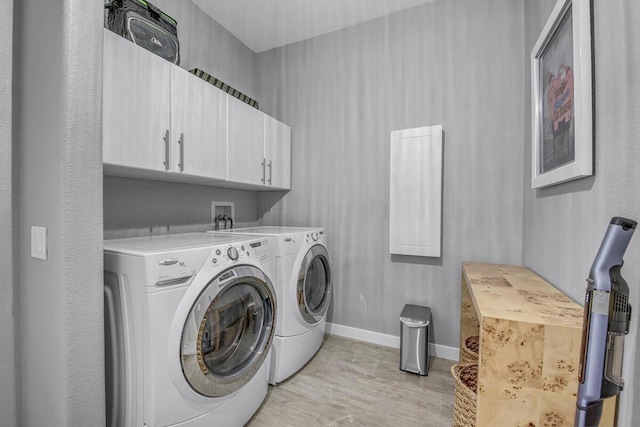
x: 416, y: 191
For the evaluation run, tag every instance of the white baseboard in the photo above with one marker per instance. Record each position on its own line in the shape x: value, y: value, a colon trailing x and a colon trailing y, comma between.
x: 443, y: 351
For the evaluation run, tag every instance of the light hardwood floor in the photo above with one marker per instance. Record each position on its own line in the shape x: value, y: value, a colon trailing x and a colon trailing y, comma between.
x: 351, y: 382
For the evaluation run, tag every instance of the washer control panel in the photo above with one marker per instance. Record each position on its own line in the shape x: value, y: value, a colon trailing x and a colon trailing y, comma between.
x: 262, y: 250
x: 257, y: 250
x: 232, y: 253
x: 314, y: 236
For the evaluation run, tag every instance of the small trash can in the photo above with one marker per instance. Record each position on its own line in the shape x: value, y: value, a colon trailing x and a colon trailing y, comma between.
x: 414, y: 339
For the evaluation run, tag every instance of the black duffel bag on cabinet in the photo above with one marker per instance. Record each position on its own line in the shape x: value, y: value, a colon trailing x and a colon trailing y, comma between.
x: 145, y: 25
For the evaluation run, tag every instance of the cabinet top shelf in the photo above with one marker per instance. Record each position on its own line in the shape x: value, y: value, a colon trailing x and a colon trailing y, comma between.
x: 516, y: 293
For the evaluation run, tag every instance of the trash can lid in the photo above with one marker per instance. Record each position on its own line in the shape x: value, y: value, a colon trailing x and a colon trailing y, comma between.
x: 415, y: 313
x: 412, y: 323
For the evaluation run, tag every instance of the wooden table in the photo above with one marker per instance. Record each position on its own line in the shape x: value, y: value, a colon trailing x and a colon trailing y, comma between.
x: 530, y: 336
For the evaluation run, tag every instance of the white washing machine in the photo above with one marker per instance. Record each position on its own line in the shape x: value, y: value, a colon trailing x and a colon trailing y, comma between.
x: 303, y: 289
x: 189, y: 324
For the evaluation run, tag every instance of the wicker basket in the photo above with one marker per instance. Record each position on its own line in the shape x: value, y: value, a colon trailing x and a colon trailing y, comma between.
x: 464, y: 406
x: 469, y: 351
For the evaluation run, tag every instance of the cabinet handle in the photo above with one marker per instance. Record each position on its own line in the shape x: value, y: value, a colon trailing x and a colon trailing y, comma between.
x: 181, y: 142
x: 264, y: 170
x: 166, y: 150
x: 270, y: 172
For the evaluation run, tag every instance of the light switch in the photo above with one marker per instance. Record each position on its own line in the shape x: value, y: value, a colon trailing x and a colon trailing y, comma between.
x: 39, y: 242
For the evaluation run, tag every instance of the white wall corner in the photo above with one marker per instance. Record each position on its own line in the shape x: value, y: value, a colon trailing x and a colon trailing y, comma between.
x: 437, y: 350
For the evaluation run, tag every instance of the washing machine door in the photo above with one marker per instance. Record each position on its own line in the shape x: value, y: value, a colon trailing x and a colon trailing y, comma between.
x: 314, y: 285
x: 228, y: 332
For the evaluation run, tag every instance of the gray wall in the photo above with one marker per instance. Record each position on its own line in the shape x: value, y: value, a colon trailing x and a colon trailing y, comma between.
x: 9, y: 284
x: 60, y: 183
x: 135, y: 207
x: 564, y: 225
x: 207, y: 45
x: 457, y: 63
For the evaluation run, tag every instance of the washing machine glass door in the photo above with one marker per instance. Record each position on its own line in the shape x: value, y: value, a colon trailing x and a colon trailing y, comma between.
x: 229, y: 331
x: 314, y: 285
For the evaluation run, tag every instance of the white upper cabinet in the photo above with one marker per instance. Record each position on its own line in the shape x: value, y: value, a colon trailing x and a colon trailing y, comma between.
x: 259, y: 148
x: 246, y: 144
x: 162, y: 122
x: 137, y: 111
x: 160, y: 118
x: 277, y: 153
x: 198, y: 126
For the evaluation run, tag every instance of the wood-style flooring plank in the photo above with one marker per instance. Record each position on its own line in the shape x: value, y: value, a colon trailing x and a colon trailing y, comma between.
x: 351, y: 382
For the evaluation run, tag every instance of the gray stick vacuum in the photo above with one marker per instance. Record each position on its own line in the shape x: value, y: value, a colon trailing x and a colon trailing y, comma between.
x: 606, y: 321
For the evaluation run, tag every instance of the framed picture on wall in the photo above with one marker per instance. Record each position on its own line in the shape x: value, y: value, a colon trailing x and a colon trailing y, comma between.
x: 562, y: 145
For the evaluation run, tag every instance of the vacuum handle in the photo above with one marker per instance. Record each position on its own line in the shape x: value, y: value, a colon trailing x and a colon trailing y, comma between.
x: 613, y: 246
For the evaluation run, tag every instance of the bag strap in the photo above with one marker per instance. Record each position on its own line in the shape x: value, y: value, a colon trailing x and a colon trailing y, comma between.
x: 154, y: 10
x: 159, y: 14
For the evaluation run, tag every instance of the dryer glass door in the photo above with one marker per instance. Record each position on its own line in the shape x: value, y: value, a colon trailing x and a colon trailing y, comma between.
x: 228, y: 332
x: 314, y: 285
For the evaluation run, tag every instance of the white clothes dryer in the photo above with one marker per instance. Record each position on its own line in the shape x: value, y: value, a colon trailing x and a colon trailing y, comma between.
x: 303, y: 290
x: 189, y: 324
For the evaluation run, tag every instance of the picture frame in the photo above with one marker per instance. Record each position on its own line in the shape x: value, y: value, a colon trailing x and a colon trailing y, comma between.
x: 561, y: 96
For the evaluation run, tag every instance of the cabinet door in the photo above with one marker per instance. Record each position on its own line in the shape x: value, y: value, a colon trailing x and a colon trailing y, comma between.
x: 416, y: 191
x: 246, y: 144
x: 198, y: 126
x: 277, y: 148
x: 136, y: 113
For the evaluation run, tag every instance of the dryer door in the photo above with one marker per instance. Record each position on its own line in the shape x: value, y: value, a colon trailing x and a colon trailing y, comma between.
x: 314, y: 284
x: 228, y: 332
